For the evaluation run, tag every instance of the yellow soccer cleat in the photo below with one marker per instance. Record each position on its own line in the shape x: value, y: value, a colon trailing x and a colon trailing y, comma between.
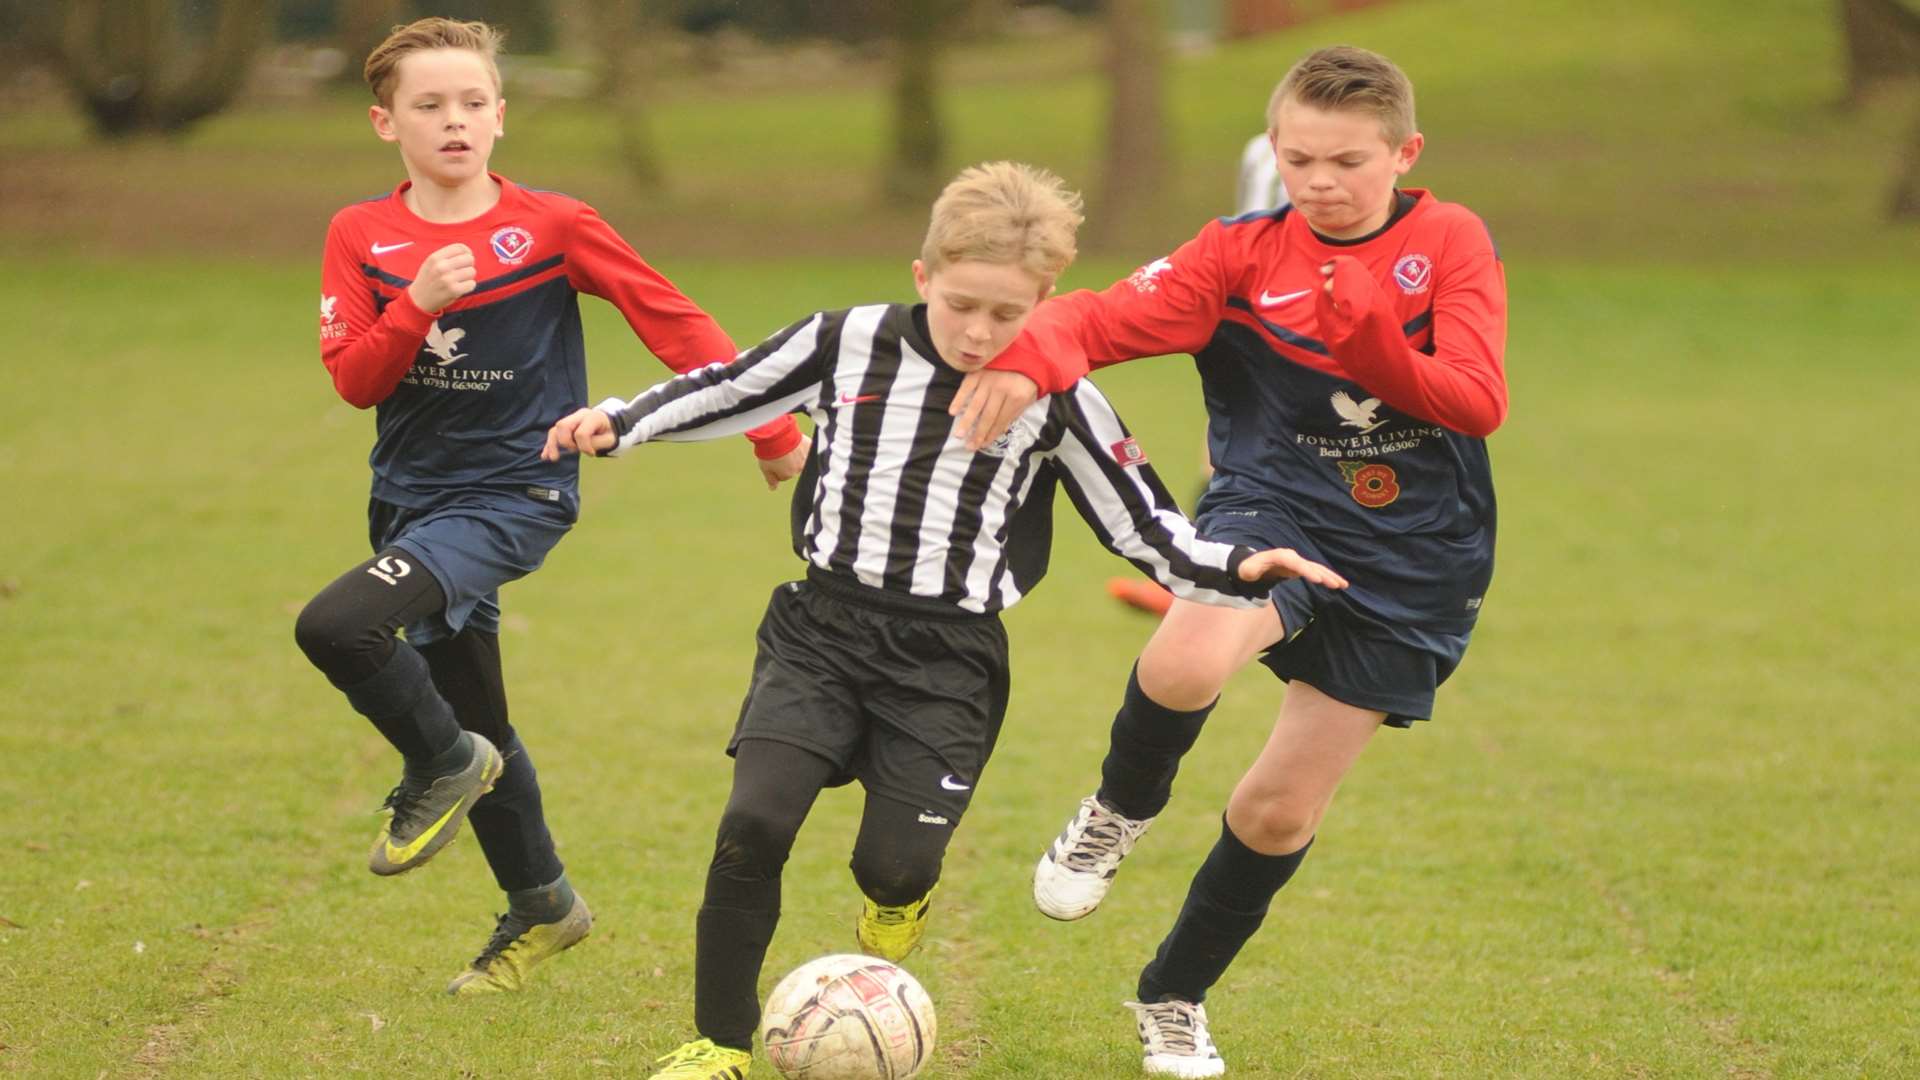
x: 517, y: 947
x: 424, y: 817
x: 702, y: 1060
x: 890, y: 933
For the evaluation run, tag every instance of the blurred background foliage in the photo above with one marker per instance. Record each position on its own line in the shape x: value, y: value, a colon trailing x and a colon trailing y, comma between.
x: 1718, y: 129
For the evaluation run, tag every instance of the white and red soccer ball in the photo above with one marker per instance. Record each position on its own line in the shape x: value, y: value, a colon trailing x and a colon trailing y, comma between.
x: 848, y: 1017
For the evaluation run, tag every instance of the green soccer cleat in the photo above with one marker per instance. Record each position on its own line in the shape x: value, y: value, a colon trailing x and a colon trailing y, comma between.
x: 702, y: 1060
x: 425, y: 817
x: 517, y: 947
x: 890, y: 933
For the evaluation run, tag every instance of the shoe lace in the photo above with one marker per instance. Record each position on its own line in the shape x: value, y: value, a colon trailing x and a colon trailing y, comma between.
x: 691, y: 1052
x: 1100, y: 840
x: 883, y: 915
x: 404, y: 801
x: 507, y: 929
x: 1174, y: 1027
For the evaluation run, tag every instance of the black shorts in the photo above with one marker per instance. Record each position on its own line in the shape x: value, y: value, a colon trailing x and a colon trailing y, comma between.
x: 903, y: 694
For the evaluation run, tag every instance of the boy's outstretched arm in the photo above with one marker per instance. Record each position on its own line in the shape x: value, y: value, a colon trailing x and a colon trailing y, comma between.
x: 770, y: 380
x: 1107, y: 477
x: 1170, y: 305
x: 673, y: 327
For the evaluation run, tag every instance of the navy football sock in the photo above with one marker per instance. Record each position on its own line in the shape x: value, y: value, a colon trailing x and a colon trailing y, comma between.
x: 402, y: 703
x: 511, y: 825
x: 1144, y: 751
x: 1225, y: 906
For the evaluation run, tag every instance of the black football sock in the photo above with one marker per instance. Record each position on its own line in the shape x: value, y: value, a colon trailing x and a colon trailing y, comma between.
x: 511, y: 825
x: 402, y: 703
x: 1225, y: 906
x: 1144, y: 751
x: 731, y: 934
x: 542, y: 903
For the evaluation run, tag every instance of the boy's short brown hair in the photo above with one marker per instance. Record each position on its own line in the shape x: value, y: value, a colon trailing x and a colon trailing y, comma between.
x: 1353, y: 79
x: 1004, y: 212
x: 383, y: 64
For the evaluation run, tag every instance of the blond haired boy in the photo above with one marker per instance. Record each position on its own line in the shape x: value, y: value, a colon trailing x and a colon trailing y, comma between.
x: 452, y: 306
x: 1351, y: 351
x: 887, y: 663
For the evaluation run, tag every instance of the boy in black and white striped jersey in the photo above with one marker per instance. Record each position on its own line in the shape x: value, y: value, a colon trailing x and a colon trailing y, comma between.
x: 887, y: 663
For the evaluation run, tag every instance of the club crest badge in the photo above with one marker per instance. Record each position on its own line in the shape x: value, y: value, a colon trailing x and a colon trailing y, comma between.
x: 512, y: 245
x: 1413, y: 273
x: 1128, y: 453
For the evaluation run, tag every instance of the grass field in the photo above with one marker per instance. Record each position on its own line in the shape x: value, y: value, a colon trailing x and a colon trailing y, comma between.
x: 1663, y: 826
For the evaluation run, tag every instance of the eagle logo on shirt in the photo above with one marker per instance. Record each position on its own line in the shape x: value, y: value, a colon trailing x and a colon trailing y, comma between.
x: 1356, y: 414
x: 441, y: 343
x: 1143, y: 278
x: 326, y: 308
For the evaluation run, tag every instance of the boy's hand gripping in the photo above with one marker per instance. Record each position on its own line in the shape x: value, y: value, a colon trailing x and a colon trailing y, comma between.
x: 445, y: 276
x: 1279, y: 564
x: 584, y: 431
x: 987, y: 404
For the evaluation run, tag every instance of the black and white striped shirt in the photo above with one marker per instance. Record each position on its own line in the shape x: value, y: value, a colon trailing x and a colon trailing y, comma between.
x: 898, y: 503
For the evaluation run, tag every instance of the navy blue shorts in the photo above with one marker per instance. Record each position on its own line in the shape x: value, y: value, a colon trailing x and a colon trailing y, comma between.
x: 1332, y: 643
x: 472, y: 545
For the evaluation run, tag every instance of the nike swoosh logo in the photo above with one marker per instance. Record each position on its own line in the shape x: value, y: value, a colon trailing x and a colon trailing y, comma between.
x: 846, y: 399
x: 951, y: 784
x: 397, y: 855
x: 1267, y: 299
x: 382, y: 249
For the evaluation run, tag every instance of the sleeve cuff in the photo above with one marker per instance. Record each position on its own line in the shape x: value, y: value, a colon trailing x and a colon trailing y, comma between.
x: 406, y: 315
x: 775, y: 440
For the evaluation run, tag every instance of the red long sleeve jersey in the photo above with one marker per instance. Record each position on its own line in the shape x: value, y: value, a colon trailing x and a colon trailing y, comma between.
x: 1361, y: 415
x: 465, y: 395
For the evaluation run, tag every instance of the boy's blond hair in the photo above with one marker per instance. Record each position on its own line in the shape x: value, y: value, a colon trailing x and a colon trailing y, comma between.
x: 1353, y: 79
x: 383, y: 64
x: 1004, y: 212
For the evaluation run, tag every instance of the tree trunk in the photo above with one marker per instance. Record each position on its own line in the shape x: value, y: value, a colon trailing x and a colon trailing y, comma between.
x: 1133, y: 175
x: 1883, y: 44
x: 621, y: 54
x: 1905, y: 203
x: 133, y: 73
x: 912, y: 173
x: 360, y: 26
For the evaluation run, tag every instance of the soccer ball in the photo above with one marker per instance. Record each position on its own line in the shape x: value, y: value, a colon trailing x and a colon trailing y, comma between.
x: 847, y: 1017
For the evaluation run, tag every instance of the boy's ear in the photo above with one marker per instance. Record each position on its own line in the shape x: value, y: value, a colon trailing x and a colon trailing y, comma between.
x: 382, y: 123
x: 1408, y: 153
x: 500, y: 119
x: 920, y: 279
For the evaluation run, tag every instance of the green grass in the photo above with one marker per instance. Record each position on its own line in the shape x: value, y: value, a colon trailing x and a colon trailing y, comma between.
x: 1662, y: 826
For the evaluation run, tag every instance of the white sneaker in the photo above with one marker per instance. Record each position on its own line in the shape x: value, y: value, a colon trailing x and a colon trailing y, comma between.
x: 1078, y: 867
x: 1174, y: 1039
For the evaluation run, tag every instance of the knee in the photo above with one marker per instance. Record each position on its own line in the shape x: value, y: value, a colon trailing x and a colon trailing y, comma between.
x: 1274, y: 824
x: 333, y: 635
x: 751, y: 841
x: 895, y: 879
x: 1183, y: 678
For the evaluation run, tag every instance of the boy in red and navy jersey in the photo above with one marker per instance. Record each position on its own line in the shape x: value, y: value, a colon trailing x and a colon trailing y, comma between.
x: 452, y: 305
x: 1350, y: 348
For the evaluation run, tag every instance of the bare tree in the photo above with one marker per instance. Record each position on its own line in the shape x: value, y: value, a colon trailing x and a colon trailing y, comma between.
x: 1133, y: 175
x: 359, y: 26
x: 134, y: 69
x: 912, y: 172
